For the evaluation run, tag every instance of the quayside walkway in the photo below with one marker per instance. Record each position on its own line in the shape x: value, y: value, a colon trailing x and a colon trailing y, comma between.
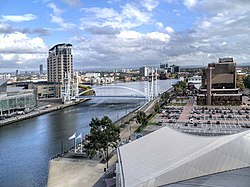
x: 82, y: 172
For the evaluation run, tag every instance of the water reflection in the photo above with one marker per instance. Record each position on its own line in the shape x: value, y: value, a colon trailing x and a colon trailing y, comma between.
x: 27, y: 146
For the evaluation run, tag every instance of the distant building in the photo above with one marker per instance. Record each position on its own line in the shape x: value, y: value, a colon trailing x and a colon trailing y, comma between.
x: 164, y: 66
x: 144, y: 71
x: 60, y: 68
x: 89, y: 75
x: 5, y: 76
x: 173, y: 69
x: 195, y: 81
x: 163, y: 74
x: 41, y: 69
x: 17, y: 72
x: 219, y: 84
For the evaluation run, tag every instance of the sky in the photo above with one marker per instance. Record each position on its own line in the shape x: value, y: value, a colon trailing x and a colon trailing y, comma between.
x: 112, y: 34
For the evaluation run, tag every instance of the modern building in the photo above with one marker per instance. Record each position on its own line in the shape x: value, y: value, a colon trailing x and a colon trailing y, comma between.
x: 41, y: 69
x: 166, y: 157
x: 60, y: 69
x: 144, y: 71
x: 175, y: 69
x: 195, y: 81
x: 13, y: 99
x: 95, y: 75
x: 164, y: 66
x: 219, y: 84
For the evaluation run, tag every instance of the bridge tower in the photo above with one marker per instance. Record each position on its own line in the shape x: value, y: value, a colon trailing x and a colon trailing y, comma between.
x: 66, y: 96
x: 152, y: 85
x: 76, y: 83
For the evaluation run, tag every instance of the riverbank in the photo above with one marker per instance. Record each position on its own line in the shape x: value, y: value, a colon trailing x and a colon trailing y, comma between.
x: 84, y: 172
x: 39, y: 111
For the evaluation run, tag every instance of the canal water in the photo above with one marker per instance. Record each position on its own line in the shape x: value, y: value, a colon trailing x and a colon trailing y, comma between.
x: 27, y: 146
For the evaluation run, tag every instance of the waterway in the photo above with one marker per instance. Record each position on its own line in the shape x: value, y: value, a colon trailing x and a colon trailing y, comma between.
x: 27, y: 146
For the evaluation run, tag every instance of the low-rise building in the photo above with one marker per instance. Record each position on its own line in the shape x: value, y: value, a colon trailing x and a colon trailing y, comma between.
x: 15, y: 99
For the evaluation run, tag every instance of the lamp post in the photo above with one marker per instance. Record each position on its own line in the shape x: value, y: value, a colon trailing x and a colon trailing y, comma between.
x: 103, y: 128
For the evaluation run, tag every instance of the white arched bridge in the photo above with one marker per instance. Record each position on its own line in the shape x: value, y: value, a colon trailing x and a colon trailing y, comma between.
x: 116, y: 92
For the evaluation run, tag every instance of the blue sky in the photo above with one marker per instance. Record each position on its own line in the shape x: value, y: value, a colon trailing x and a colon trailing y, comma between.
x: 124, y: 33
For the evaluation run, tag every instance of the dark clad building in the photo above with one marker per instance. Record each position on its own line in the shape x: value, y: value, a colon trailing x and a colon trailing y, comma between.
x: 219, y: 84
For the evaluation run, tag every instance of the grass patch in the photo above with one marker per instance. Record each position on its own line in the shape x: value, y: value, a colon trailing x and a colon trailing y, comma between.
x: 153, y: 123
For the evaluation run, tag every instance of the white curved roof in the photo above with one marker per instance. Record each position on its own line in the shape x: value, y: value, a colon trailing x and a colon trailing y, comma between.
x: 168, y: 156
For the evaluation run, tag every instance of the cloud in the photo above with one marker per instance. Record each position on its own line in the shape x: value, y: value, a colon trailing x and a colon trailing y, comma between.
x: 129, y: 17
x: 19, y: 18
x: 128, y: 49
x: 74, y: 3
x: 169, y: 30
x: 102, y: 13
x: 150, y: 4
x: 106, y: 30
x: 132, y: 12
x: 8, y: 29
x: 57, y: 18
x: 18, y: 48
x: 190, y: 3
x: 57, y: 11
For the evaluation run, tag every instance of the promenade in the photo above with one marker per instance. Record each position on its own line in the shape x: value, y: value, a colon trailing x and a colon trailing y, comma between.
x: 84, y: 172
x: 40, y: 110
x: 73, y: 172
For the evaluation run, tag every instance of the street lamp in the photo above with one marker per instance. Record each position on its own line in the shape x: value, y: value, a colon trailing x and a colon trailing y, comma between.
x: 103, y: 128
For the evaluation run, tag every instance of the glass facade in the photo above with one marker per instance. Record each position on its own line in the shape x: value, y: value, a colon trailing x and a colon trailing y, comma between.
x: 18, y: 102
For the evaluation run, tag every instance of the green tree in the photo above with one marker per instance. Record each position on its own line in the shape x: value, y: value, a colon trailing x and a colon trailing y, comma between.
x: 165, y: 97
x: 180, y: 88
x: 141, y: 117
x: 246, y: 81
x: 103, y: 134
x: 157, y: 107
x: 240, y: 83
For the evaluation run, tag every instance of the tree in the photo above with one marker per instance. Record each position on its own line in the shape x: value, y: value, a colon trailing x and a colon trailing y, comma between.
x: 103, y: 134
x: 180, y: 88
x: 246, y: 81
x: 141, y: 118
x: 165, y: 97
x: 157, y: 107
x: 240, y: 82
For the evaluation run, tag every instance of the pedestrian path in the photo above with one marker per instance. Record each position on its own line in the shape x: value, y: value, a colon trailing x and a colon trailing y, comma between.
x: 83, y: 172
x: 184, y: 116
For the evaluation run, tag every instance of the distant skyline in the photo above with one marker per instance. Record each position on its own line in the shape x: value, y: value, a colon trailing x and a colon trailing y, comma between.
x: 115, y: 34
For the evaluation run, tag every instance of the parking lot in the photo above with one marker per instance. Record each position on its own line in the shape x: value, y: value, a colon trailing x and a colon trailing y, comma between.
x: 207, y: 121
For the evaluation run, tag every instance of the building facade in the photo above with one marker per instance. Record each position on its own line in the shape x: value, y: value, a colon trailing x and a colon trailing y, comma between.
x: 41, y: 69
x: 144, y: 71
x: 218, y: 85
x: 15, y: 99
x: 60, y: 68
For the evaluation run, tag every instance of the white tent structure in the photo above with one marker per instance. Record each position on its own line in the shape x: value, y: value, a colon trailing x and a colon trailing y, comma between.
x: 167, y: 156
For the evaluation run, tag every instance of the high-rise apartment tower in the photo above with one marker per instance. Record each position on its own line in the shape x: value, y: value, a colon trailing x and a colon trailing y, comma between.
x: 60, y: 62
x: 60, y: 67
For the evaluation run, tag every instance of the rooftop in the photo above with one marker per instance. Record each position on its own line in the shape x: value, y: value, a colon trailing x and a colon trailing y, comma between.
x: 167, y: 156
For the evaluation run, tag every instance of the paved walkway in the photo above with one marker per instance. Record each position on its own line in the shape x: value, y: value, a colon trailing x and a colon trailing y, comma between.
x: 64, y: 172
x: 184, y: 116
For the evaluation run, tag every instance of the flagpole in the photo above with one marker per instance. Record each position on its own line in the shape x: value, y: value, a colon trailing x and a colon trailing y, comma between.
x: 73, y: 137
x: 81, y: 142
x: 75, y: 145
